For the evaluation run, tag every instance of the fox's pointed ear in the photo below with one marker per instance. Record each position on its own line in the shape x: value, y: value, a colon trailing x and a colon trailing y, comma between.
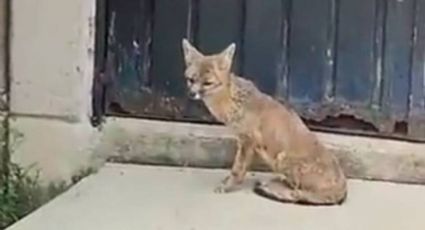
x: 190, y: 52
x: 227, y: 56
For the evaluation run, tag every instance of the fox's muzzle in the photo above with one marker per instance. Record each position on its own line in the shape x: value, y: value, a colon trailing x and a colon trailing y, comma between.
x: 195, y: 92
x: 194, y: 95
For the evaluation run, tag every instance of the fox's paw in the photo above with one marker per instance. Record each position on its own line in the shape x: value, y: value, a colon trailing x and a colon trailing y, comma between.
x: 227, y: 185
x: 222, y: 189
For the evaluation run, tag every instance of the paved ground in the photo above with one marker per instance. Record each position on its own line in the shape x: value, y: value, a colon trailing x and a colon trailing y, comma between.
x: 127, y: 197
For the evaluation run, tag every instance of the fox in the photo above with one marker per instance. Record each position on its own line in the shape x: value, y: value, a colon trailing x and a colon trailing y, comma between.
x: 304, y: 172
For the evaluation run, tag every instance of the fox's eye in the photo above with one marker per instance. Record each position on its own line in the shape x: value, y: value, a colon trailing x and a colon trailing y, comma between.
x: 190, y: 80
x: 208, y: 83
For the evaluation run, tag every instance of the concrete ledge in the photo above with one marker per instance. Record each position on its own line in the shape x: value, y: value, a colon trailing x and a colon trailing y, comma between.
x: 184, y: 144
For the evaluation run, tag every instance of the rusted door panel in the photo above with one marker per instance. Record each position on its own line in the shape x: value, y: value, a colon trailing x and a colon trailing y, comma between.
x: 220, y: 22
x: 262, y: 55
x: 417, y: 81
x: 126, y: 55
x: 397, y: 58
x: 144, y: 70
x: 418, y: 58
x: 355, y: 46
x: 309, y: 63
x: 170, y: 18
x: 345, y: 65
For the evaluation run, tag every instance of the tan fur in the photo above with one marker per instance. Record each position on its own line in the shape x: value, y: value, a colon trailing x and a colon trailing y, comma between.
x: 305, y: 171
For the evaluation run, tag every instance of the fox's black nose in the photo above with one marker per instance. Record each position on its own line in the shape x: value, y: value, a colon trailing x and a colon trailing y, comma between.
x: 195, y: 96
x: 192, y: 95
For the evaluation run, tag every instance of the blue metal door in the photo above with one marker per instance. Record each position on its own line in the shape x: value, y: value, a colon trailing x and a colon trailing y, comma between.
x: 354, y: 66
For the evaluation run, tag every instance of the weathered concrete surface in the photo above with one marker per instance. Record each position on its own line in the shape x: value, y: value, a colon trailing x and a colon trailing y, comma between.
x: 3, y: 156
x: 3, y: 36
x: 55, y: 149
x: 52, y: 44
x: 169, y: 143
x: 156, y: 142
x: 142, y: 197
x: 52, y: 56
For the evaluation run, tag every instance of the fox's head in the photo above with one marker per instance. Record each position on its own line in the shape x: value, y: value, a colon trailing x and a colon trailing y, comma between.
x: 207, y: 74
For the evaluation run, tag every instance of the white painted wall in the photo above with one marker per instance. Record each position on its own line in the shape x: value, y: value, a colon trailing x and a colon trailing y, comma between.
x: 52, y: 56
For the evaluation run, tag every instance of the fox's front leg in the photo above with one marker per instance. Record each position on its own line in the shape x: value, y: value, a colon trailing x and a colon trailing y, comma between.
x: 241, y: 163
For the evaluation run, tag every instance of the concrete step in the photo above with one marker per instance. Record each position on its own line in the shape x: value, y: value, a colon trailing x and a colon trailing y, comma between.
x: 138, y: 197
x: 139, y: 141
